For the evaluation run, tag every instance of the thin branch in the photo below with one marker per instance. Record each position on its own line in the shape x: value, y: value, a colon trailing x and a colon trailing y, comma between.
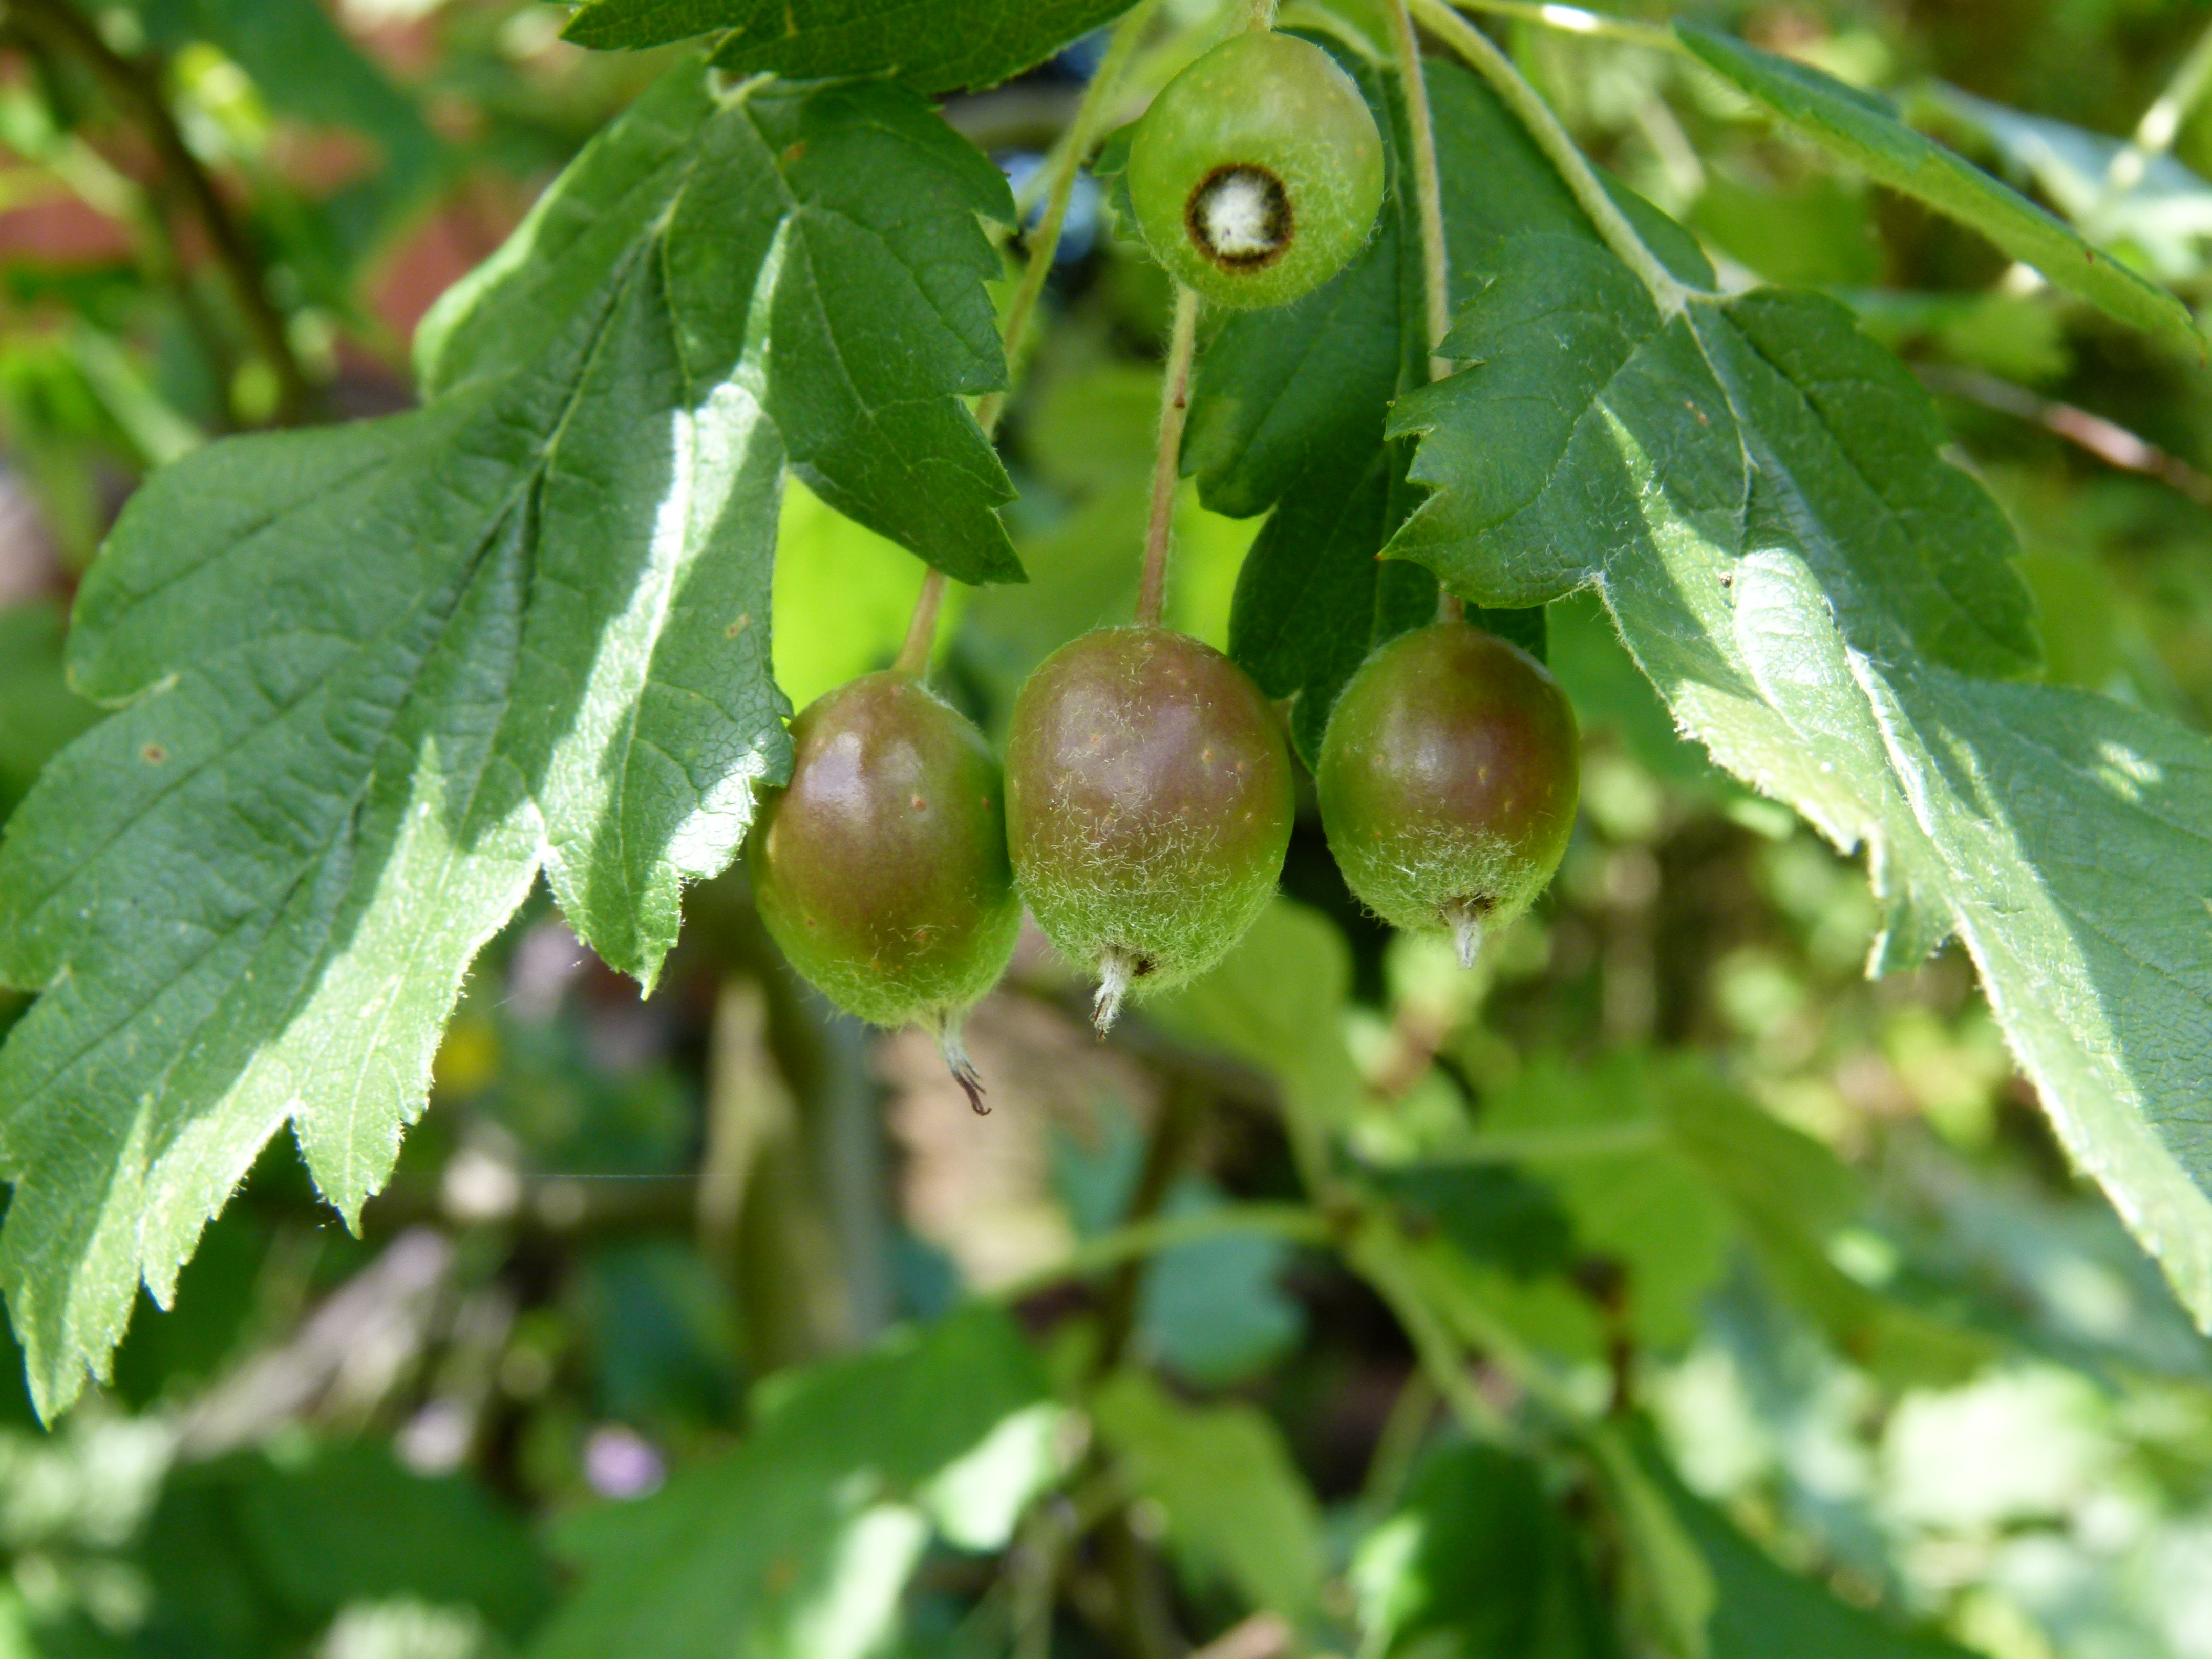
x: 1293, y: 1223
x: 1379, y: 1259
x: 2109, y: 441
x: 1428, y: 186
x: 1067, y: 163
x: 921, y: 632
x: 1575, y: 20
x: 1429, y: 197
x: 1669, y: 292
x: 136, y: 92
x: 1068, y: 156
x: 1175, y: 408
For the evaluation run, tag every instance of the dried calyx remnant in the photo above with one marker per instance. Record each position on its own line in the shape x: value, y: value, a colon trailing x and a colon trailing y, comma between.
x: 1240, y: 218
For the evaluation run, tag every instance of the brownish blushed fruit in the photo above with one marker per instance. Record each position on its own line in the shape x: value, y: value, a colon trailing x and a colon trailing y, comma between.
x: 881, y: 868
x: 1448, y: 781
x: 1148, y: 807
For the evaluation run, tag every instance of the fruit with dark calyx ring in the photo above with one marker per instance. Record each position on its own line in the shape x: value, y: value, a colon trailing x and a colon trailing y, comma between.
x: 881, y: 868
x: 1148, y: 807
x: 1257, y: 172
x: 1448, y: 779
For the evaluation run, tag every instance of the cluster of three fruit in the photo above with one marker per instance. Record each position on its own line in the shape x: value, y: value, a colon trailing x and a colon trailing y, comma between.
x: 1148, y: 798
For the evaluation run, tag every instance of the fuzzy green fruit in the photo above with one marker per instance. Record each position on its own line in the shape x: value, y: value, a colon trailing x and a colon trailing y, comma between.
x: 1148, y: 805
x: 1448, y: 781
x: 881, y: 868
x: 1257, y: 172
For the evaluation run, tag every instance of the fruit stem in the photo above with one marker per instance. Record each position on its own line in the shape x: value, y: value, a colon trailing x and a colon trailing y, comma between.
x: 1067, y: 163
x: 1449, y: 606
x: 921, y: 632
x: 1174, y: 408
x: 1117, y: 970
x: 1428, y: 186
x: 1262, y: 15
x: 1669, y: 292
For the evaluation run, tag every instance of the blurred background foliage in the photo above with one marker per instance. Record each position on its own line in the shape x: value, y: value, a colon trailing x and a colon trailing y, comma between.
x: 1813, y: 1226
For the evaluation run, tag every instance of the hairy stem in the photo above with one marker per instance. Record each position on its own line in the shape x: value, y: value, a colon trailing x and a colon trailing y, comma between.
x: 1068, y: 159
x: 1575, y: 20
x: 1428, y: 186
x: 921, y: 632
x: 1669, y: 293
x: 136, y: 91
x: 1175, y: 408
x: 1261, y: 16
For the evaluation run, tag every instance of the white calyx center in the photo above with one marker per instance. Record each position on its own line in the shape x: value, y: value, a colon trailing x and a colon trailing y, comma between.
x: 1239, y: 216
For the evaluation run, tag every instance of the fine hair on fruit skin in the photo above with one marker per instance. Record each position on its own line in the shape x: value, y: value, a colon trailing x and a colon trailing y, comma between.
x: 1448, y: 781
x: 881, y: 868
x: 1258, y: 172
x: 1149, y: 805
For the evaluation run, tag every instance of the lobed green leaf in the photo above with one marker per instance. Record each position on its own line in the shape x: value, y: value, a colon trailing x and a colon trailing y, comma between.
x: 1758, y: 493
x: 373, y: 678
x: 1236, y: 1506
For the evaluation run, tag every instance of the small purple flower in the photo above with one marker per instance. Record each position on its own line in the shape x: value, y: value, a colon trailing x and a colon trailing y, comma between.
x: 619, y: 1462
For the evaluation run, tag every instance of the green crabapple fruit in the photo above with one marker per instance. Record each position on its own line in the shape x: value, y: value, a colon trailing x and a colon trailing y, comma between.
x: 881, y: 868
x: 1257, y: 172
x: 1448, y: 781
x: 1148, y: 807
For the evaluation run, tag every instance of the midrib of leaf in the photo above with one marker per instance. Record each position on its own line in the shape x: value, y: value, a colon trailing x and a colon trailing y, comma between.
x: 351, y: 1181
x: 1769, y: 460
